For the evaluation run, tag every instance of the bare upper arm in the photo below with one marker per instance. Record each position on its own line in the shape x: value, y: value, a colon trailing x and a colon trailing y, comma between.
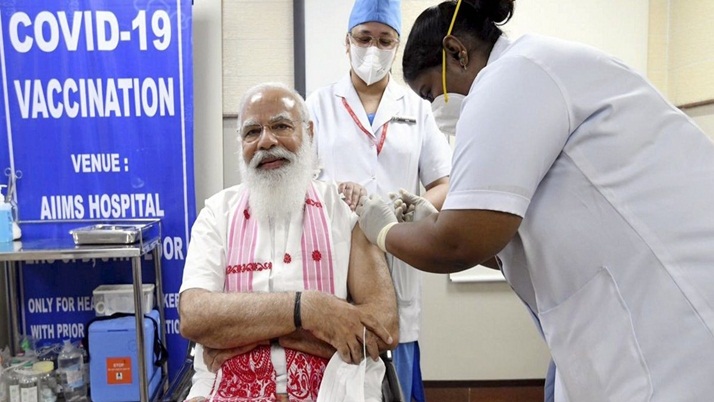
x: 370, y: 285
x: 368, y: 274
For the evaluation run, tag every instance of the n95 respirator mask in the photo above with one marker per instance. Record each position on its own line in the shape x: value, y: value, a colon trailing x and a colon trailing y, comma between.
x: 447, y: 114
x: 371, y: 63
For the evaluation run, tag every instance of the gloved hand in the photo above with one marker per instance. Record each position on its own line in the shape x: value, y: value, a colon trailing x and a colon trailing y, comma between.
x: 375, y: 216
x: 414, y: 207
x: 400, y: 208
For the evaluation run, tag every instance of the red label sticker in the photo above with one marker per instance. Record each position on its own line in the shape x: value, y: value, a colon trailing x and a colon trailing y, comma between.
x: 118, y: 370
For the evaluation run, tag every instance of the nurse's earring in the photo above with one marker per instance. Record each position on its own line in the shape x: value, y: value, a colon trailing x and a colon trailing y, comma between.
x: 463, y: 59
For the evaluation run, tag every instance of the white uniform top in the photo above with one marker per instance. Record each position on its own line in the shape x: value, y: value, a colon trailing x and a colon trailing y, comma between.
x: 615, y: 253
x: 206, y: 258
x: 413, y: 152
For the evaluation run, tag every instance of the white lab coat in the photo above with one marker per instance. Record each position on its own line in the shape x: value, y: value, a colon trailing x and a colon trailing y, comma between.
x: 413, y: 153
x: 615, y: 253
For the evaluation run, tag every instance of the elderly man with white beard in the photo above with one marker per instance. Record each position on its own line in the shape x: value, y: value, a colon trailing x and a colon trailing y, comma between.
x: 278, y: 276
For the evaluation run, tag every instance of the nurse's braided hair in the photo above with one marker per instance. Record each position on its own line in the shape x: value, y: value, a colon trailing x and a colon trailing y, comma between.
x: 477, y: 23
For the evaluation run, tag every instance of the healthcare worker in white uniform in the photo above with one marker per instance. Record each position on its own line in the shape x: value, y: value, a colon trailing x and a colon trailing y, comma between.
x: 374, y: 132
x: 594, y: 191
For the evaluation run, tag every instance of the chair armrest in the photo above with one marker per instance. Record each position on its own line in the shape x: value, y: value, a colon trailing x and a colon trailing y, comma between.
x: 181, y: 385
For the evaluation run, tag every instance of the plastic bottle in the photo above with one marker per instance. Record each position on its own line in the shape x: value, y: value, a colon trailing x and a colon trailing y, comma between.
x: 46, y: 383
x: 6, y: 234
x: 70, y: 366
x: 85, y: 360
x: 28, y: 386
x: 3, y: 383
x: 12, y: 382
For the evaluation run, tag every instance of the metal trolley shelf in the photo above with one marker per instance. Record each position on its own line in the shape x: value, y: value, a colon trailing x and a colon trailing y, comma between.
x: 65, y: 248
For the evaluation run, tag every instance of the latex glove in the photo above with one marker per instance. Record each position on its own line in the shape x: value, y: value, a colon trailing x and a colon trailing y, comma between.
x: 351, y: 192
x: 400, y: 207
x: 376, y: 217
x: 418, y: 207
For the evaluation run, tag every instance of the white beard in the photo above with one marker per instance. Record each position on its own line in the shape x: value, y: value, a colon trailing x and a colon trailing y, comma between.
x: 279, y: 194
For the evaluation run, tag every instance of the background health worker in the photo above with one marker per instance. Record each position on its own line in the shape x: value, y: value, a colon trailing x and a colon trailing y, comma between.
x: 595, y: 192
x: 372, y: 131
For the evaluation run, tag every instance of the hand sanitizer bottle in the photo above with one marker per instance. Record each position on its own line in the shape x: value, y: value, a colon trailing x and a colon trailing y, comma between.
x: 6, y: 234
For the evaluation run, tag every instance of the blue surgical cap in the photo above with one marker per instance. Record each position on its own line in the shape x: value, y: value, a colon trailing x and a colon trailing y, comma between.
x: 388, y: 12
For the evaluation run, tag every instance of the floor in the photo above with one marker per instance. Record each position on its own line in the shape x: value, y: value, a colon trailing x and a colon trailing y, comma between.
x: 510, y: 391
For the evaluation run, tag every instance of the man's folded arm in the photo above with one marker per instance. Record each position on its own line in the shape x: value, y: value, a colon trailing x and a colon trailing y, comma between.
x: 221, y: 320
x: 226, y: 320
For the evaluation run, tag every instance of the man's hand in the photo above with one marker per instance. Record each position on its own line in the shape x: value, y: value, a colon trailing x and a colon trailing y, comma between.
x: 413, y: 207
x: 214, y: 358
x: 352, y: 193
x: 341, y: 324
x: 306, y: 342
x: 374, y: 215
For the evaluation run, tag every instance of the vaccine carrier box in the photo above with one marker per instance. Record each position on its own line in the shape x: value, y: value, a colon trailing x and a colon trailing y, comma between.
x: 113, y: 368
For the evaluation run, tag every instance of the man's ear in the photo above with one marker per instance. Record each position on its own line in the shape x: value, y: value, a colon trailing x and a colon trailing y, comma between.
x: 310, y: 129
x: 455, y: 50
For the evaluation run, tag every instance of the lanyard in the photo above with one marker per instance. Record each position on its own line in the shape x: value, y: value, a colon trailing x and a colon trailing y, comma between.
x: 379, y: 144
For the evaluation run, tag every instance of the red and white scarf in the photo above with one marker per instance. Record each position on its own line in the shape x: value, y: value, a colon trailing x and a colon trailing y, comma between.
x: 251, y: 376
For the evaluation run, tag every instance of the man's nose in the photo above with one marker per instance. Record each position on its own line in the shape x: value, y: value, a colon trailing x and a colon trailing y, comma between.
x: 267, y: 139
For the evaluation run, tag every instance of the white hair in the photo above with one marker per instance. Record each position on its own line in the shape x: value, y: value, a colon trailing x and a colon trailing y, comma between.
x: 301, y: 104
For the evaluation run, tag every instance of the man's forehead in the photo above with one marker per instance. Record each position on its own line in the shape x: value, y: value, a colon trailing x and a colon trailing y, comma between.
x: 271, y: 100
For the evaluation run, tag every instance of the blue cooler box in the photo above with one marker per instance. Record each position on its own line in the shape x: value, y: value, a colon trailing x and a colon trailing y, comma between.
x: 113, y: 369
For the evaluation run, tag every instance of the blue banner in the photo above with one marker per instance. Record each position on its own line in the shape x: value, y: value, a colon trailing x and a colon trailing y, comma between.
x: 98, y: 121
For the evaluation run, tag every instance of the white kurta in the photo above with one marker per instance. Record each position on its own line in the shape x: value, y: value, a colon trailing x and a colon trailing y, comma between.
x: 413, y: 153
x: 206, y: 260
x: 615, y: 254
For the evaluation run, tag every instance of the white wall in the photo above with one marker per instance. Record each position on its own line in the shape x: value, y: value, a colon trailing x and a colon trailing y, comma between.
x: 690, y: 62
x: 704, y: 117
x: 615, y: 26
x: 257, y: 46
x: 680, y: 56
x: 207, y: 103
x: 325, y: 29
